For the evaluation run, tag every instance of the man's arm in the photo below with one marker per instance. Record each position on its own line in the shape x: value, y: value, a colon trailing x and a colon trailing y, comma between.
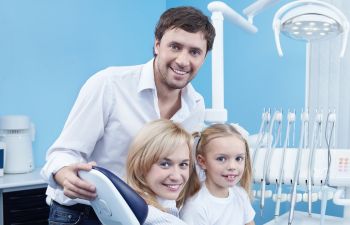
x: 61, y: 171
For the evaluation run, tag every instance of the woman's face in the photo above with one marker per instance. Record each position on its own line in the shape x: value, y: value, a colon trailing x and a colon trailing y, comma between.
x: 168, y: 176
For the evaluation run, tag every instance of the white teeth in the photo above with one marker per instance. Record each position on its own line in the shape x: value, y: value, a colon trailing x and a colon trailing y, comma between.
x: 180, y: 72
x: 173, y: 186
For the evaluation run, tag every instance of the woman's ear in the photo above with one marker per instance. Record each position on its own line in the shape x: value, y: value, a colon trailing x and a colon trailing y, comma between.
x: 201, y: 161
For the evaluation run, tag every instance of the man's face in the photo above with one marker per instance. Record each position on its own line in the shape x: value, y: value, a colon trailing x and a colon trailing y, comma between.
x: 180, y: 54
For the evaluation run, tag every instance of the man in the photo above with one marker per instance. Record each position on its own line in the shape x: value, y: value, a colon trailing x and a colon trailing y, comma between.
x: 116, y: 102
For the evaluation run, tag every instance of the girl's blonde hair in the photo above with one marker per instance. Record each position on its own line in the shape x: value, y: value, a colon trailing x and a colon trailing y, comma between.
x: 155, y: 141
x: 224, y: 130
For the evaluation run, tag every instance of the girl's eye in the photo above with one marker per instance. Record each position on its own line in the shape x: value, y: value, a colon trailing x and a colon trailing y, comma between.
x: 221, y: 159
x: 240, y: 159
x: 184, y: 165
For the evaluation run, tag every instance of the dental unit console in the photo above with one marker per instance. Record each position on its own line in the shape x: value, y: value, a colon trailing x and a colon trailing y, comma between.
x: 322, y: 172
x: 312, y: 165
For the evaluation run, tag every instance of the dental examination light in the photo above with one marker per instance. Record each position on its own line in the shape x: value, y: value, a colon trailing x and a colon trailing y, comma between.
x: 220, y: 10
x: 310, y: 20
x: 257, y: 7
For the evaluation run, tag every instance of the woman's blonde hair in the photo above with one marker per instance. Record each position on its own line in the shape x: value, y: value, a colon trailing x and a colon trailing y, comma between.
x: 155, y: 141
x: 225, y: 130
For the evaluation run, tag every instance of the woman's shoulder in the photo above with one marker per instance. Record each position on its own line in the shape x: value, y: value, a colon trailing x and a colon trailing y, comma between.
x: 158, y: 217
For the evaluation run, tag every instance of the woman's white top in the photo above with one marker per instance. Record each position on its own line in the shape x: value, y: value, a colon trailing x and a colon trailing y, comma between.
x: 158, y: 217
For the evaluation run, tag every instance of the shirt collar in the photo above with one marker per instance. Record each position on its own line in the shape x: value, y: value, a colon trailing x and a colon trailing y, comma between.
x: 147, y: 77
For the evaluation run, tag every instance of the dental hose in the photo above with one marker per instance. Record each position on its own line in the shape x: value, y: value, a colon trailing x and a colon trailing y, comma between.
x: 277, y: 115
x: 291, y: 119
x: 324, y: 190
x: 265, y: 119
x: 304, y: 120
x: 314, y: 142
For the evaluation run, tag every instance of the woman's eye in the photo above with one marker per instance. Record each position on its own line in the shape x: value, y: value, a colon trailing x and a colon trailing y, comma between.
x: 164, y: 164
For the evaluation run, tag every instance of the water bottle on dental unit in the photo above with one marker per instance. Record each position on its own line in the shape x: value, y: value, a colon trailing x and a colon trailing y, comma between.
x: 17, y: 132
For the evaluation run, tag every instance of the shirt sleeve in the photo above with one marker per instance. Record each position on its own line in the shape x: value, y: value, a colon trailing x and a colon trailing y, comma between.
x: 83, y: 128
x: 249, y: 212
x: 57, y: 160
x: 88, y: 117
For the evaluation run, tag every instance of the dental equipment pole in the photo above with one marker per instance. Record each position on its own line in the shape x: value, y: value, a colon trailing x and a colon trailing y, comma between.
x: 331, y: 117
x: 219, y: 10
x: 277, y: 115
x: 304, y: 121
x: 291, y: 120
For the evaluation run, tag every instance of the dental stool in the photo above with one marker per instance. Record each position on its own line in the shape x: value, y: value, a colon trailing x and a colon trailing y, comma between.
x: 116, y: 202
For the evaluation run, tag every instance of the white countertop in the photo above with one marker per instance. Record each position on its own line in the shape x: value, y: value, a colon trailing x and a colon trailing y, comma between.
x: 21, y: 179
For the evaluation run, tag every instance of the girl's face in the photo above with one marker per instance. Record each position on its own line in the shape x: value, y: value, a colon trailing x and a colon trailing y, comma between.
x: 168, y: 176
x: 223, y: 162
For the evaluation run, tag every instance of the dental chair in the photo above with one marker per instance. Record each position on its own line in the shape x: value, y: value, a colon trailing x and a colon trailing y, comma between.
x: 116, y: 202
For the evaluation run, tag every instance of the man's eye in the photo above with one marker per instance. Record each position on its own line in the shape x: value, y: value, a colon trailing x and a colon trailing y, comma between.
x: 174, y: 47
x: 195, y: 52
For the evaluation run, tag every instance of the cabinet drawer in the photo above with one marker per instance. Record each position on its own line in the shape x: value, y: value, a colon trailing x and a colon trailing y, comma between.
x: 25, y: 207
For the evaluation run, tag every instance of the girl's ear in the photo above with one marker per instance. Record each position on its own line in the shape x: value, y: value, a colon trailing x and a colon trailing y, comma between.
x: 201, y: 161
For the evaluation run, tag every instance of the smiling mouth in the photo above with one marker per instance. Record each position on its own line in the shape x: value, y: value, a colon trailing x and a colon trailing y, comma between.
x: 173, y: 187
x: 230, y: 177
x: 179, y: 72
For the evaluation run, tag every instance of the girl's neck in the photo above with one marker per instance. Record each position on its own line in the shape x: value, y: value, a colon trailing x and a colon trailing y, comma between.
x: 215, y: 190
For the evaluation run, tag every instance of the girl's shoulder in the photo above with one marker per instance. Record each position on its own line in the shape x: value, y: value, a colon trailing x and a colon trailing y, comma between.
x: 239, y: 192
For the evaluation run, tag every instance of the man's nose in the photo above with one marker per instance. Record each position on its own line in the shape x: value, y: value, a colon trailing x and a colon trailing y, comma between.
x: 183, y: 59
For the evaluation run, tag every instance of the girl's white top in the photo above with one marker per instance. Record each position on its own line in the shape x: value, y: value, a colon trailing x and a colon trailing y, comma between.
x: 206, y: 209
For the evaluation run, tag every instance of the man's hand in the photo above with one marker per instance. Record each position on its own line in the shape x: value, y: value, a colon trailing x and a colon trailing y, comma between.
x: 73, y: 186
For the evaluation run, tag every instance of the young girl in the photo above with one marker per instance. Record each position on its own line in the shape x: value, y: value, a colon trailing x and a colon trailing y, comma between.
x: 160, y: 168
x: 223, y: 199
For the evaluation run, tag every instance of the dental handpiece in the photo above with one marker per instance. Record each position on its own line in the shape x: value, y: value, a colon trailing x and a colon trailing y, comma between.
x: 265, y: 120
x: 276, y: 116
x: 291, y: 120
x: 314, y: 142
x: 304, y: 121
